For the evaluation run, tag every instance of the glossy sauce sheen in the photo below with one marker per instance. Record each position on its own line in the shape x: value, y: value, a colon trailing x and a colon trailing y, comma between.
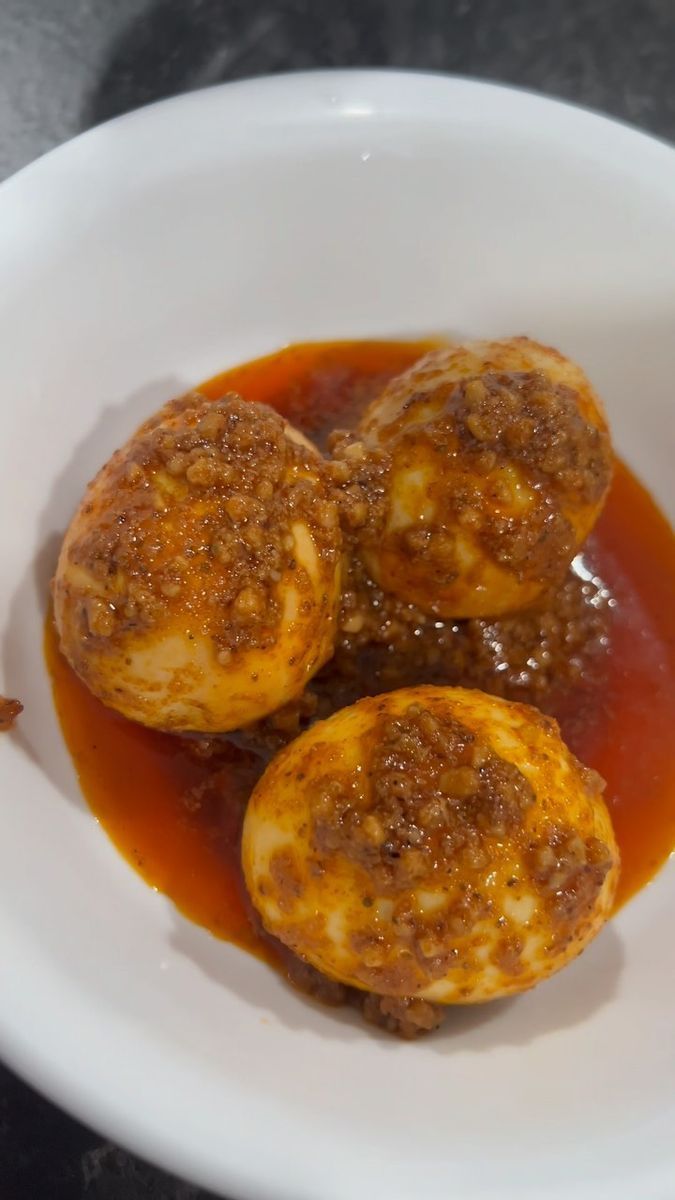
x: 174, y: 806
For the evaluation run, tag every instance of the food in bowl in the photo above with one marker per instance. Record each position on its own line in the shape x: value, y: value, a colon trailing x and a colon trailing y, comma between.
x: 582, y: 653
x: 198, y: 584
x: 495, y: 463
x: 431, y: 842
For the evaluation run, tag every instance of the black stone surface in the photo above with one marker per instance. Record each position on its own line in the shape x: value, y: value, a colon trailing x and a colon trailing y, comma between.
x: 69, y: 64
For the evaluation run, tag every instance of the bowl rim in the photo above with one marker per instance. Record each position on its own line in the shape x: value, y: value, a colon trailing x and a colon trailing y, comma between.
x: 289, y: 81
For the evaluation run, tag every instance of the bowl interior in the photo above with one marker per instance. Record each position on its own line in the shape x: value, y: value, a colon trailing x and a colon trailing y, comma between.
x: 135, y: 262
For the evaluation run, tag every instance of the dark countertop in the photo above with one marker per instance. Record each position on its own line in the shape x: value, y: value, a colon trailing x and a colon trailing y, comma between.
x: 68, y: 64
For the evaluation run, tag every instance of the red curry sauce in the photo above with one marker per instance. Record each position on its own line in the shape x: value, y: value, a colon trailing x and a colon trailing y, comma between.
x: 174, y: 806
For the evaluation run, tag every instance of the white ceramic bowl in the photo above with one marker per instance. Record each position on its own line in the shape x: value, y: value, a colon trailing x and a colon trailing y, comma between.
x: 137, y: 260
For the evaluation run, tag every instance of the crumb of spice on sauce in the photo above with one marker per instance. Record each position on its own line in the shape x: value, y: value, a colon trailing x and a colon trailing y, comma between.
x: 407, y: 1017
x: 9, y: 711
x: 383, y: 644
